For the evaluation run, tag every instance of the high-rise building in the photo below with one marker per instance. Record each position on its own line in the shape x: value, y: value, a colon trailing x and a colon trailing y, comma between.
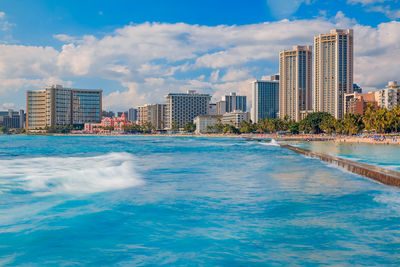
x: 132, y: 114
x: 153, y: 113
x: 12, y: 119
x: 390, y: 96
x: 295, y: 84
x: 231, y: 103
x: 212, y: 109
x: 235, y: 102
x: 183, y: 108
x: 333, y: 71
x: 265, y: 99
x: 36, y: 110
x: 59, y: 106
x: 221, y: 107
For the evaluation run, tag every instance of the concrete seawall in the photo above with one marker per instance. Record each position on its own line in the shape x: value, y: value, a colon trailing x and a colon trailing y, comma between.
x: 381, y: 175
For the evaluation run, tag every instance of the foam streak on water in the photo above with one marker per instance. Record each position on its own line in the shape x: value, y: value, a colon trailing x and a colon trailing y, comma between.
x: 71, y: 175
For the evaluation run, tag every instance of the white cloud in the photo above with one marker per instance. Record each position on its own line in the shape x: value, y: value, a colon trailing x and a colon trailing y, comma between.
x: 235, y: 75
x: 387, y: 10
x: 283, y: 8
x: 366, y: 2
x: 152, y: 59
x: 64, y: 37
x: 8, y: 105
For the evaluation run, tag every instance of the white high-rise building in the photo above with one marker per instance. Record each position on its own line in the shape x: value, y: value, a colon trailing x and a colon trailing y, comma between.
x: 295, y: 84
x: 333, y: 71
x: 388, y: 97
x: 182, y: 108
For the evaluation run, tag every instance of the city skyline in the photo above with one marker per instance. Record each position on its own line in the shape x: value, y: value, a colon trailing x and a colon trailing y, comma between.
x: 131, y: 63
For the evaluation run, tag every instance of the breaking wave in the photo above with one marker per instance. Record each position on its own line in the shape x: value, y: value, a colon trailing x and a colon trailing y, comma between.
x: 69, y: 175
x: 273, y: 142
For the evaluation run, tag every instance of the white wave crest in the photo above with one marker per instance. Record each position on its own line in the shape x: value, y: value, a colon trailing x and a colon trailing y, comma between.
x: 57, y: 175
x: 271, y: 143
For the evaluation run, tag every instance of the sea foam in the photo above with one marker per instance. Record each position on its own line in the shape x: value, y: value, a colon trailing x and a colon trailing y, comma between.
x: 273, y: 142
x: 69, y: 175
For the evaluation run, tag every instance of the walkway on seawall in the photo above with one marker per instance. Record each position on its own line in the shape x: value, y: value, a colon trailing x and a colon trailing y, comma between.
x: 384, y: 176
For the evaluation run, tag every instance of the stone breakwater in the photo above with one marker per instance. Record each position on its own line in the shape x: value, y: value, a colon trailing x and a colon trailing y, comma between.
x: 381, y: 175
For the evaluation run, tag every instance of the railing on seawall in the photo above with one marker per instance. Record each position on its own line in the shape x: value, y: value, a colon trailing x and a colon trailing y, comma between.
x: 381, y: 175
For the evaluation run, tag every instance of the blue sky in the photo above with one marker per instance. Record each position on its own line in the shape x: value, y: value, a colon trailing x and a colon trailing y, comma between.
x: 137, y: 51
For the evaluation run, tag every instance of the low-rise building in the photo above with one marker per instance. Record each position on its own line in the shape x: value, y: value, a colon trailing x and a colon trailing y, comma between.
x: 235, y: 117
x: 108, y: 124
x: 357, y: 103
x: 204, y: 122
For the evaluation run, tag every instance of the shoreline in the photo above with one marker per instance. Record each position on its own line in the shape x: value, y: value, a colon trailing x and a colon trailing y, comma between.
x: 365, y: 139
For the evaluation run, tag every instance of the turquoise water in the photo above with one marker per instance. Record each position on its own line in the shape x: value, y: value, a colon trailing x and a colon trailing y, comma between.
x: 382, y: 155
x: 186, y: 201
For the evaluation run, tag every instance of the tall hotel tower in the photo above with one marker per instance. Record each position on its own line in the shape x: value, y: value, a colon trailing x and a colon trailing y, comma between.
x: 295, y: 88
x: 265, y: 99
x: 333, y: 71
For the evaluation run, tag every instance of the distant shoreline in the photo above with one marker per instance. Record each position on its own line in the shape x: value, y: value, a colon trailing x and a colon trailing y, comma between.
x: 366, y: 138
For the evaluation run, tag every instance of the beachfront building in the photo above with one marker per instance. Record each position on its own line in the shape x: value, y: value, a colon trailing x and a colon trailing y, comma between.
x: 295, y: 84
x: 235, y: 117
x: 390, y: 96
x: 60, y: 106
x: 108, y: 124
x: 231, y: 103
x: 265, y: 99
x: 333, y: 71
x: 212, y: 109
x: 152, y: 113
x: 357, y: 103
x: 132, y: 114
x: 235, y: 102
x: 221, y: 107
x: 182, y: 108
x: 12, y: 119
x: 204, y: 122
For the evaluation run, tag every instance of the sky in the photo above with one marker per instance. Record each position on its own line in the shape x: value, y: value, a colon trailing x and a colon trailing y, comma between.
x: 138, y: 51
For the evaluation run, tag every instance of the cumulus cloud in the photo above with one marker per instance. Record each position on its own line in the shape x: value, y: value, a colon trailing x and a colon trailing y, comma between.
x: 151, y: 59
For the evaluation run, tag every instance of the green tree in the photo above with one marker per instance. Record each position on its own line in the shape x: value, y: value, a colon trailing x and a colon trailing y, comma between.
x: 4, y: 129
x: 190, y: 127
x: 312, y: 123
x: 247, y: 127
x: 174, y: 126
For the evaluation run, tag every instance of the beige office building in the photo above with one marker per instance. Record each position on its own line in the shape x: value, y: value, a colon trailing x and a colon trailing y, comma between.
x: 295, y: 84
x: 333, y: 71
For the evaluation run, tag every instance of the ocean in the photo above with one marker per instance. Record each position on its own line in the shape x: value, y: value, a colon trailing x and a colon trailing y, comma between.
x: 134, y: 200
